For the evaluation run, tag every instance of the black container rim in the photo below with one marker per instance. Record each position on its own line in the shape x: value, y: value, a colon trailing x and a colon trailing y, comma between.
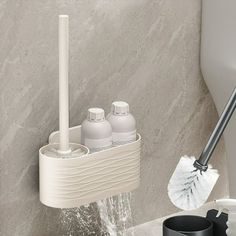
x: 188, y: 224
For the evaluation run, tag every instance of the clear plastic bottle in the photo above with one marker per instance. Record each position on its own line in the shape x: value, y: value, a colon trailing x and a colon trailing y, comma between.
x: 96, y: 131
x: 122, y: 122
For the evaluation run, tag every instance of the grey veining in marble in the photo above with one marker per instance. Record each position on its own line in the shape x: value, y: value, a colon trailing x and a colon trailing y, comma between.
x: 145, y: 52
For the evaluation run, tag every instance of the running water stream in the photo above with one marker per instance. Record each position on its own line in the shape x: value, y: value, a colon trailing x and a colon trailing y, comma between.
x: 108, y: 217
x: 116, y: 215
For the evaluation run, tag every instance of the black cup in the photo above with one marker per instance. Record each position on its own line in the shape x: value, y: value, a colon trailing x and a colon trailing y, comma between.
x: 187, y: 225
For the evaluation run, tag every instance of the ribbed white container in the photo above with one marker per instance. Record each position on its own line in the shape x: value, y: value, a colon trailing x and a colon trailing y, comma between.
x: 71, y: 182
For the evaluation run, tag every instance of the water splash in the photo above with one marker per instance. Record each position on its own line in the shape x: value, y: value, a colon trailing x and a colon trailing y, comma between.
x: 116, y: 214
x: 108, y: 217
x: 81, y: 221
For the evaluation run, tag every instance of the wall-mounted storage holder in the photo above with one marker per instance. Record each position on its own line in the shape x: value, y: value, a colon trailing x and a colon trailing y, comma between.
x: 71, y: 182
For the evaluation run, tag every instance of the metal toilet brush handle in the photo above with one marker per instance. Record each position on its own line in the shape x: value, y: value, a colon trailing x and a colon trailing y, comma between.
x: 202, y: 162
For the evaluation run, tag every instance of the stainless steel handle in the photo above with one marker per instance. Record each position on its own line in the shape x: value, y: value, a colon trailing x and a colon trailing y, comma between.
x: 218, y: 131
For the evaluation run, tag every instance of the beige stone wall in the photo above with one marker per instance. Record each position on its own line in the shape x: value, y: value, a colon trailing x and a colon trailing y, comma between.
x: 145, y: 52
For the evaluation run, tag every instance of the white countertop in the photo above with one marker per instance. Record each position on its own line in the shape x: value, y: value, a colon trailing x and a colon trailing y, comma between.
x: 154, y: 228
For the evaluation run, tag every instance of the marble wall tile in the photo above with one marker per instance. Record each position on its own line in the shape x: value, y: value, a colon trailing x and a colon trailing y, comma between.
x: 145, y: 52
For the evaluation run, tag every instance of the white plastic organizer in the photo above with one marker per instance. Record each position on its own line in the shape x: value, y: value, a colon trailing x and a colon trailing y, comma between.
x: 71, y: 182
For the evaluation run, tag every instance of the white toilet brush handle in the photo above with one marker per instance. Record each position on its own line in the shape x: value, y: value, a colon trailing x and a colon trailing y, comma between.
x: 63, y: 83
x: 217, y: 132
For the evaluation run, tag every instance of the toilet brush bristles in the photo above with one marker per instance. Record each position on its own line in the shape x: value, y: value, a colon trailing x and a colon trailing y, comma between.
x: 189, y: 188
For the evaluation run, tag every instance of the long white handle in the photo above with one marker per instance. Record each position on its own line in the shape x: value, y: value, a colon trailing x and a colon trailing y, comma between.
x: 63, y: 83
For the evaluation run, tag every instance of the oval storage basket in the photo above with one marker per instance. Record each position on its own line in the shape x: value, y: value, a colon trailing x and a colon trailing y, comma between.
x: 67, y: 183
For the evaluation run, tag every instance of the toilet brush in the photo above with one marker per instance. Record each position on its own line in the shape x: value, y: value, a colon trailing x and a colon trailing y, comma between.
x: 193, y: 180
